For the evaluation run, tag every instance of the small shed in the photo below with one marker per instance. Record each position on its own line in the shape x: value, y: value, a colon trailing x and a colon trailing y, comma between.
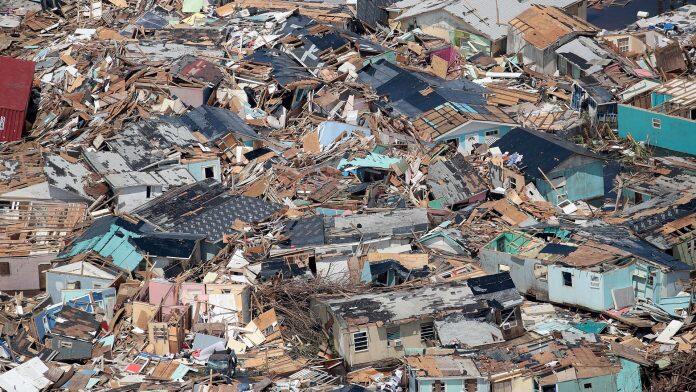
x: 16, y: 79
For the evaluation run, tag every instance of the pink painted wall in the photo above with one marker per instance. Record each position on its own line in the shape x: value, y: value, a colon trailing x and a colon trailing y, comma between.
x: 162, y: 293
x: 24, y: 272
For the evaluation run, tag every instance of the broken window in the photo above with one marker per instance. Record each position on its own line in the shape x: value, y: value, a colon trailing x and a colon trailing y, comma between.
x: 567, y: 279
x: 588, y: 385
x: 427, y: 331
x: 622, y: 43
x: 594, y: 282
x: 509, y: 317
x: 541, y: 271
x: 74, y: 285
x: 209, y: 172
x: 492, y: 133
x: 4, y: 268
x: 437, y: 386
x: 651, y: 279
x: 393, y: 333
x: 42, y: 275
x: 656, y: 123
x: 513, y: 182
x: 360, y: 342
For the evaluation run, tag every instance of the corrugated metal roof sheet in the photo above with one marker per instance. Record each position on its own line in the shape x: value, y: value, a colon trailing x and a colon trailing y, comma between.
x: 16, y: 78
x: 542, y: 26
x: 481, y: 15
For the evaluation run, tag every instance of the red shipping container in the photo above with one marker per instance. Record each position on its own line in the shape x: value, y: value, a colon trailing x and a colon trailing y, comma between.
x: 16, y: 78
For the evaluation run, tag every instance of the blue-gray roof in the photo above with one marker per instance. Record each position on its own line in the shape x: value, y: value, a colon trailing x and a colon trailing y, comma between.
x: 540, y: 150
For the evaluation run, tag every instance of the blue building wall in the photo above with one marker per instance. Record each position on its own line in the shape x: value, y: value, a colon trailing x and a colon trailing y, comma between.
x: 581, y: 293
x: 196, y: 169
x: 628, y: 379
x: 57, y: 282
x: 451, y: 385
x: 657, y: 99
x: 593, y: 384
x: 113, y: 243
x: 480, y: 134
x: 675, y: 133
x: 582, y: 183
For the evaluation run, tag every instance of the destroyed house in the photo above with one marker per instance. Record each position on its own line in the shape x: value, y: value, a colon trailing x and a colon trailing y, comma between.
x: 455, y: 182
x: 204, y: 208
x: 133, y: 189
x: 539, y: 31
x: 593, y: 97
x: 668, y: 222
x: 389, y: 273
x: 470, y: 125
x: 280, y: 69
x: 214, y: 123
x: 559, y: 169
x: 582, y: 56
x: 83, y: 273
x: 196, y: 80
x: 563, y: 266
x: 413, y: 93
x: 71, y: 332
x: 167, y: 143
x: 669, y: 122
x: 398, y: 223
x: 42, y: 200
x: 444, y: 373
x: 475, y: 26
x: 670, y: 175
x: 327, y: 244
x: 376, y: 327
x: 135, y: 245
x: 552, y: 363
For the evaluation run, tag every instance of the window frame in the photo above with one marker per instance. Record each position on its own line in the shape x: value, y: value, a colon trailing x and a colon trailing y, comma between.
x: 9, y: 269
x: 569, y: 275
x: 658, y: 122
x: 393, y: 333
x: 595, y: 281
x: 356, y: 343
x: 212, y: 168
x: 624, y: 44
x: 430, y: 331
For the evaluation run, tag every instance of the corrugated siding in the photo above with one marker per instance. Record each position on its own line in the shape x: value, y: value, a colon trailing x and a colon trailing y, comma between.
x: 11, y: 124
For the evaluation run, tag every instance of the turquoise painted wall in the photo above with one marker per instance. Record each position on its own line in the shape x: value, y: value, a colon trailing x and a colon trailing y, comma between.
x: 631, y: 195
x: 663, y: 290
x: 196, y: 169
x: 583, y: 293
x: 628, y: 379
x: 580, y: 293
x: 675, y: 133
x: 389, y: 56
x: 596, y: 384
x: 582, y: 183
x: 657, y: 99
x: 480, y: 134
x: 114, y: 243
x: 616, y: 279
x: 452, y: 385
